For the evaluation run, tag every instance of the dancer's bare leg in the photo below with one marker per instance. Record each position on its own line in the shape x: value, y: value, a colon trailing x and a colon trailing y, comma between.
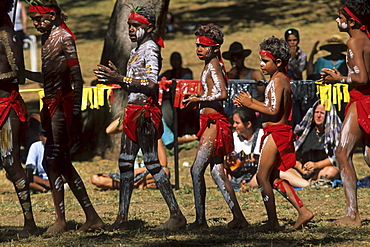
x: 218, y: 175
x: 351, y: 134
x: 304, y: 214
x: 268, y: 160
x: 126, y: 160
x: 149, y: 146
x: 202, y: 158
x: 10, y: 157
x: 93, y: 221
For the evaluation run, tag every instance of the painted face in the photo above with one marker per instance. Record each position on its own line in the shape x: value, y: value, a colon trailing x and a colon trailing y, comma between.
x: 136, y: 30
x: 42, y: 22
x: 341, y: 21
x: 319, y: 115
x: 268, y: 66
x: 239, y: 126
x: 204, y: 51
x: 292, y: 40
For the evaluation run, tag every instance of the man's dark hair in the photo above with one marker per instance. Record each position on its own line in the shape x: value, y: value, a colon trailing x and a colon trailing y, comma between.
x: 279, y: 48
x: 211, y: 31
x: 245, y: 115
x: 147, y: 12
x: 360, y: 8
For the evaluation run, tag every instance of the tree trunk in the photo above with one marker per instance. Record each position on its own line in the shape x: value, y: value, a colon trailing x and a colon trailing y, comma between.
x: 117, y: 47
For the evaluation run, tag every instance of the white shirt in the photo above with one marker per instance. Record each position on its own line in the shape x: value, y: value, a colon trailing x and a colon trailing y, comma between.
x: 241, y: 144
x: 34, y: 159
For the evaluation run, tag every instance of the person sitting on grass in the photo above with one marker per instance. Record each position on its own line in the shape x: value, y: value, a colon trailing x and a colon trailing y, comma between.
x: 318, y: 138
x: 277, y: 152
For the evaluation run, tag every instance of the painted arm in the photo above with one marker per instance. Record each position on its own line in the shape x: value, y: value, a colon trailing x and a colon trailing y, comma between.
x: 270, y: 107
x: 355, y: 56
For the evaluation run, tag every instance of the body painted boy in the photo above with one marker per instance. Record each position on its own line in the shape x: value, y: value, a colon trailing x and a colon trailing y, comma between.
x: 353, y: 18
x: 13, y: 114
x: 61, y: 111
x: 215, y: 136
x: 277, y: 152
x: 142, y: 122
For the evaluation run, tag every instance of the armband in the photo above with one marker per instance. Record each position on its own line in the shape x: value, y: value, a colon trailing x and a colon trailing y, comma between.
x: 72, y: 62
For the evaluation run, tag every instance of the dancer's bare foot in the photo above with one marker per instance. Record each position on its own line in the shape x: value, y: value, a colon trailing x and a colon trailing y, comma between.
x: 304, y: 217
x: 57, y: 228
x: 29, y: 231
x: 91, y: 225
x: 238, y: 224
x: 346, y: 221
x: 173, y: 223
x: 195, y: 225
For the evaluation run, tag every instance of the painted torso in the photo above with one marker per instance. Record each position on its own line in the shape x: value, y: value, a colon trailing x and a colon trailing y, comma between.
x: 143, y: 64
x: 211, y: 92
x: 55, y: 50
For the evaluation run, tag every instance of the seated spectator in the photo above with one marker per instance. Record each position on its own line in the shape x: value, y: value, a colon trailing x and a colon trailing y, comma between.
x: 336, y: 58
x: 241, y: 165
x: 236, y: 54
x: 142, y: 178
x: 39, y: 181
x: 318, y: 137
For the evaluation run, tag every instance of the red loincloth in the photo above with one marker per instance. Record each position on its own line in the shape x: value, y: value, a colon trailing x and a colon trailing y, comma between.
x: 283, y: 136
x: 51, y: 105
x: 15, y: 102
x: 132, y: 115
x: 224, y: 143
x: 362, y: 107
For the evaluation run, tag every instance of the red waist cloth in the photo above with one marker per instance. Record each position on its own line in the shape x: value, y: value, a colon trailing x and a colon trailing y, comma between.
x: 362, y: 107
x: 224, y: 143
x: 14, y: 101
x: 51, y: 105
x: 283, y: 136
x: 131, y: 120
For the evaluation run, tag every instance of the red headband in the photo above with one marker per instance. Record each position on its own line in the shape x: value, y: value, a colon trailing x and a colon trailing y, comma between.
x: 41, y: 9
x: 44, y: 10
x: 363, y: 27
x: 268, y: 54
x: 202, y: 40
x: 139, y: 18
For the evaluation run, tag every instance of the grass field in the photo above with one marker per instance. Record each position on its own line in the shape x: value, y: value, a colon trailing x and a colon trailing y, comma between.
x: 248, y: 22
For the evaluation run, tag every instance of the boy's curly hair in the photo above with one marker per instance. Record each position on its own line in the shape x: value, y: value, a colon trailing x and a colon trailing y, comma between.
x: 147, y: 12
x: 211, y: 31
x: 279, y: 48
x: 360, y: 8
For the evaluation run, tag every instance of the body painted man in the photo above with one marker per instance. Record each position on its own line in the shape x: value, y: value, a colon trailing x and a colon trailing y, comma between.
x: 142, y: 122
x: 353, y: 18
x: 215, y: 135
x: 13, y: 114
x: 61, y: 111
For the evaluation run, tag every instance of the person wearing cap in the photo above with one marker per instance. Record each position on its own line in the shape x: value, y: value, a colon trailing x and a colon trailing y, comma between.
x: 13, y: 115
x: 215, y: 135
x: 298, y: 59
x: 353, y: 18
x: 236, y: 55
x: 336, y: 59
x: 61, y: 113
x: 142, y: 120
